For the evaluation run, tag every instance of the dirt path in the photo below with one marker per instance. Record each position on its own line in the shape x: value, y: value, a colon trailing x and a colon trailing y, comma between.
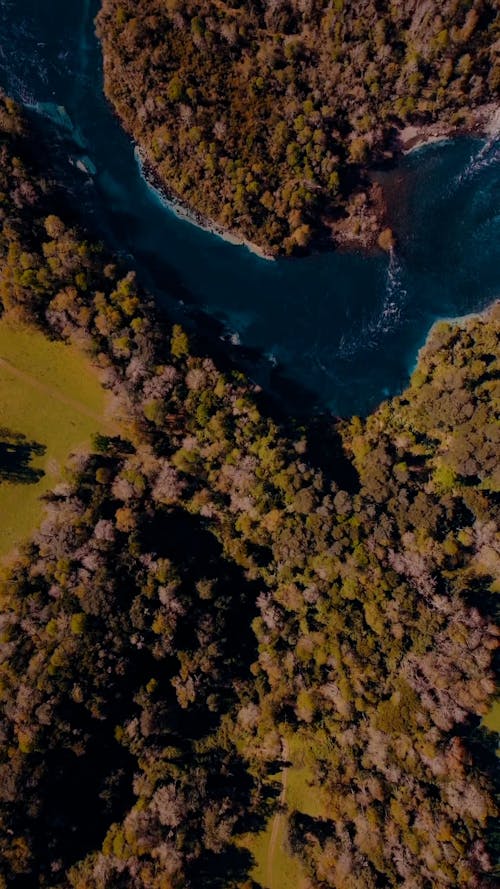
x: 53, y: 392
x: 278, y: 820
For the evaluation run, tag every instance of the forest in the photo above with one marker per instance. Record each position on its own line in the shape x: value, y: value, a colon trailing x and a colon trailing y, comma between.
x: 265, y: 116
x: 213, y: 583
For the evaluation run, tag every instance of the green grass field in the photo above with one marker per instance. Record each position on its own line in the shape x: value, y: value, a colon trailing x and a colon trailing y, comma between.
x: 283, y: 870
x: 50, y: 394
x: 275, y: 866
x: 299, y: 795
x: 492, y: 720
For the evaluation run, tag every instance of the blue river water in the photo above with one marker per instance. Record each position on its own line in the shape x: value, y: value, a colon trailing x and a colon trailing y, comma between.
x: 342, y: 329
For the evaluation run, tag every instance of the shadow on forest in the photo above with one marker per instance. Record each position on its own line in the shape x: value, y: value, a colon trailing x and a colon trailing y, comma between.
x: 16, y: 454
x: 81, y: 794
x: 227, y: 870
x: 198, y: 554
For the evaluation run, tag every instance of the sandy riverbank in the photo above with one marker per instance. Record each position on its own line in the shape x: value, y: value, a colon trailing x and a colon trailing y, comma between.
x: 366, y: 212
x: 483, y: 121
x: 191, y: 216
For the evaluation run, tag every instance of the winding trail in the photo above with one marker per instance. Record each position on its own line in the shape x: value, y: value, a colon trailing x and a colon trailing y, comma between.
x: 53, y: 392
x: 278, y: 820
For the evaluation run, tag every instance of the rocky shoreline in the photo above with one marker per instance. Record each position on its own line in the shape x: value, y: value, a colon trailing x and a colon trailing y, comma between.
x: 483, y: 121
x: 365, y: 227
x: 360, y: 230
x: 189, y: 215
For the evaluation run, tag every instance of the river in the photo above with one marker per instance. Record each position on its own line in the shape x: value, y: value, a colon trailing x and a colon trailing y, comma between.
x: 340, y: 330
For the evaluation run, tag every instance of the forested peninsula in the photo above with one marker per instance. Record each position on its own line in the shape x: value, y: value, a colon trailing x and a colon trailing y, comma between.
x: 214, y: 596
x: 264, y: 117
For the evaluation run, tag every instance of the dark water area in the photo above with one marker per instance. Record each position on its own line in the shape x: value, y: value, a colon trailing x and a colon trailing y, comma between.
x: 342, y: 329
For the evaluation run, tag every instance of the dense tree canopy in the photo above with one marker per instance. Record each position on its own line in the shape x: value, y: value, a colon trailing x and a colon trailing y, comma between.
x: 263, y: 115
x: 204, y: 587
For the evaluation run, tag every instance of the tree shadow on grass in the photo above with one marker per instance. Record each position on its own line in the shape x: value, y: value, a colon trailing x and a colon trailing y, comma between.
x: 16, y: 454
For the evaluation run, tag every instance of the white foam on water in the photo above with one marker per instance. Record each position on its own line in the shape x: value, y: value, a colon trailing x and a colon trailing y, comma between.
x: 395, y: 296
x: 386, y: 320
x: 230, y: 336
x: 24, y: 96
x: 170, y: 204
x: 271, y: 357
x: 85, y: 165
x: 486, y: 157
x: 348, y: 345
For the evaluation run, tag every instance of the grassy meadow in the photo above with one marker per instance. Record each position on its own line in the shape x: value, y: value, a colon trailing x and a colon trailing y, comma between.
x: 51, y: 402
x: 492, y: 720
x: 275, y: 866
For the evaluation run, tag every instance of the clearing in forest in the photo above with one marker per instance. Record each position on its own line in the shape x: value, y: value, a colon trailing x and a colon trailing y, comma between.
x: 492, y: 720
x: 275, y: 865
x: 51, y: 403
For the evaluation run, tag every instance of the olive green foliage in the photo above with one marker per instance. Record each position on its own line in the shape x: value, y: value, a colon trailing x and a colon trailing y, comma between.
x: 203, y: 597
x: 262, y: 115
x: 119, y: 666
x: 51, y: 397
